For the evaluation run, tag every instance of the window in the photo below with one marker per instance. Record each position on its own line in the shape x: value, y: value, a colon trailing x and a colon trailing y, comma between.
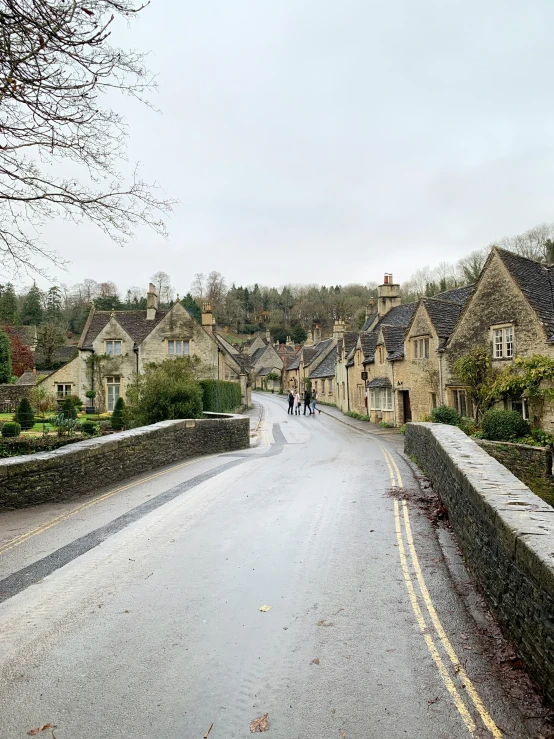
x: 113, y: 348
x: 322, y: 386
x: 177, y: 348
x: 421, y: 348
x: 113, y: 385
x: 63, y: 391
x: 381, y: 399
x: 503, y: 342
x: 330, y: 386
x: 380, y: 354
x: 519, y: 405
x: 433, y: 400
x: 343, y: 391
x: 462, y: 402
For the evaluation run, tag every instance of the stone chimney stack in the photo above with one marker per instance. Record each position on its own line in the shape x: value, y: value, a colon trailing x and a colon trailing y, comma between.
x: 317, y: 333
x: 388, y: 296
x: 370, y: 309
x: 338, y: 329
x: 290, y: 342
x: 310, y: 340
x: 152, y: 303
x: 268, y: 336
x: 208, y: 319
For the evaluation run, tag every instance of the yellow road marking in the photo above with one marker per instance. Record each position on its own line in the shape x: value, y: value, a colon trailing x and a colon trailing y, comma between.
x: 458, y: 702
x: 396, y: 477
x: 477, y: 702
x: 16, y: 541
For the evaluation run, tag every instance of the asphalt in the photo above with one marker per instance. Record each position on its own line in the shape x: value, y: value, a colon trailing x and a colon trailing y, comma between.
x: 136, y: 613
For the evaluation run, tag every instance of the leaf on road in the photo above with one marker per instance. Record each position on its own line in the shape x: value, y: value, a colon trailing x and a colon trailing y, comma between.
x: 323, y: 622
x: 265, y: 608
x: 34, y: 732
x: 315, y: 661
x: 260, y: 724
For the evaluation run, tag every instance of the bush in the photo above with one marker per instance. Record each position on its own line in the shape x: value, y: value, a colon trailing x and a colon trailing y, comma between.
x: 76, y: 400
x: 89, y: 428
x: 498, y: 425
x: 166, y: 391
x: 118, y: 415
x: 68, y: 409
x: 11, y: 429
x: 445, y: 414
x: 24, y: 415
x: 219, y: 396
x: 467, y: 425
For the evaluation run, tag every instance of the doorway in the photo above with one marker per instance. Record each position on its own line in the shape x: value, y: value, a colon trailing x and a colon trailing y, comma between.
x: 406, y: 406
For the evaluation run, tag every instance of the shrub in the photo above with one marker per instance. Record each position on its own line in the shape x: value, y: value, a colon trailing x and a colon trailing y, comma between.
x: 118, y: 415
x: 467, y: 425
x: 64, y: 424
x: 11, y: 429
x: 445, y: 414
x: 498, y: 425
x: 68, y: 409
x: 5, y: 358
x: 24, y: 414
x: 89, y: 428
x: 166, y: 391
x: 219, y: 396
x: 76, y: 400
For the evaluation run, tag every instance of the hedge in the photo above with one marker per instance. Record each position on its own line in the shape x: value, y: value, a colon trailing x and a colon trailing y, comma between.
x: 498, y: 425
x: 219, y: 396
x: 32, y: 445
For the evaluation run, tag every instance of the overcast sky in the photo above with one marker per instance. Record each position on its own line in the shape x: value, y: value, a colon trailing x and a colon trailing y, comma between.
x: 323, y: 141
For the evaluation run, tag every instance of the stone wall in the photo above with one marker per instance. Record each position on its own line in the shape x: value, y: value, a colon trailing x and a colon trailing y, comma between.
x: 530, y: 464
x: 507, y: 536
x: 90, y: 466
x: 13, y: 394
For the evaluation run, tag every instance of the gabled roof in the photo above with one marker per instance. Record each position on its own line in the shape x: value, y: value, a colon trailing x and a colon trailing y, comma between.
x: 326, y: 368
x: 257, y: 355
x: 134, y: 322
x: 295, y: 364
x: 318, y: 350
x: 369, y: 343
x: 30, y: 378
x: 265, y: 371
x: 369, y: 321
x: 393, y: 336
x: 379, y: 382
x: 456, y: 295
x: 350, y: 338
x: 443, y: 315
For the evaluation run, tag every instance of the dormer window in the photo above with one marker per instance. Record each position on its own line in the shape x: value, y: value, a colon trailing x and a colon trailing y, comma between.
x: 421, y: 348
x: 178, y: 348
x: 113, y: 348
x: 503, y: 342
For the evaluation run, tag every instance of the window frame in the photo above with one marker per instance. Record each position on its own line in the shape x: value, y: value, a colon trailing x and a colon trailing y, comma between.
x: 503, y: 341
x: 116, y: 344
x: 64, y: 393
x: 183, y: 343
x: 421, y: 347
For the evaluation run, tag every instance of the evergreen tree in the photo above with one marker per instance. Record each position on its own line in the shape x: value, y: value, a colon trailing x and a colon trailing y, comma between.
x: 32, y: 307
x: 191, y: 305
x: 8, y: 305
x: 24, y: 414
x: 54, y: 304
x: 5, y: 358
x: 118, y: 415
x: 68, y: 409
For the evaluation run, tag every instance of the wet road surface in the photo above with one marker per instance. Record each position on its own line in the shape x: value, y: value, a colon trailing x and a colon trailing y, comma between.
x: 137, y: 613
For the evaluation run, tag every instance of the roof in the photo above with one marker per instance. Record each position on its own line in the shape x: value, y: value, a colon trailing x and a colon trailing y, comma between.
x: 457, y: 295
x: 61, y: 355
x: 368, y: 342
x: 318, y: 350
x: 535, y: 282
x: 267, y: 371
x: 257, y: 355
x: 349, y: 338
x: 326, y: 368
x: 30, y: 378
x: 393, y: 336
x: 369, y: 321
x: 379, y: 382
x: 443, y: 315
x: 295, y: 364
x: 134, y: 322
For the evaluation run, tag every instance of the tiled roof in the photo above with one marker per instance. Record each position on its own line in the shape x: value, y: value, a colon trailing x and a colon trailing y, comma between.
x: 457, y: 295
x: 318, y: 350
x: 295, y: 364
x: 266, y: 371
x: 443, y: 315
x: 257, y: 355
x: 535, y: 282
x: 327, y: 366
x: 30, y: 378
x: 368, y: 342
x: 61, y: 355
x: 369, y: 321
x: 134, y: 322
x: 379, y: 382
x: 350, y: 338
x: 393, y: 337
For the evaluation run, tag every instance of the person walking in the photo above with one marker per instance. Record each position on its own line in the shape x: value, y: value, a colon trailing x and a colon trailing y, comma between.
x: 307, y: 401
x: 291, y: 402
x: 297, y: 403
x: 314, y: 401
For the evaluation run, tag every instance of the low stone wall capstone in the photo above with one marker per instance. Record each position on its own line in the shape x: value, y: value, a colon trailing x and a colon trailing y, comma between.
x: 530, y: 464
x: 95, y: 464
x: 507, y: 536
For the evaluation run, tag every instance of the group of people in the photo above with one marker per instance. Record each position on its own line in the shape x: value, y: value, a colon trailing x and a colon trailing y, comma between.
x: 310, y: 402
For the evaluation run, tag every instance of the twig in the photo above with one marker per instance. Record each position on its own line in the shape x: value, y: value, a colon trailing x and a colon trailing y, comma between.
x: 207, y: 733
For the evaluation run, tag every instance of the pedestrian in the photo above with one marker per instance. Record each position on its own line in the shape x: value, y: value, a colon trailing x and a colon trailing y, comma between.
x: 307, y: 401
x: 314, y: 401
x: 297, y: 403
x: 291, y: 402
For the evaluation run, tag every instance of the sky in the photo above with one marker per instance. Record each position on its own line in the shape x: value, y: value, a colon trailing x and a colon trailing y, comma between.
x: 322, y: 142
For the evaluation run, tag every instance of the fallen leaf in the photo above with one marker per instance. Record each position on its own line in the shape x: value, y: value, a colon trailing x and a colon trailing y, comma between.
x: 315, y: 661
x: 322, y: 622
x: 265, y: 608
x: 260, y: 724
x: 33, y: 732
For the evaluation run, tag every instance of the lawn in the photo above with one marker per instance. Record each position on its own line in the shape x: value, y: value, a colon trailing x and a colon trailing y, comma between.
x: 39, y: 428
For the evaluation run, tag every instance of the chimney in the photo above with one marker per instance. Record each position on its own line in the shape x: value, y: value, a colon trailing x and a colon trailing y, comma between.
x: 207, y: 318
x: 388, y: 296
x: 152, y: 303
x: 370, y: 309
x: 310, y: 340
x: 317, y: 334
x: 338, y: 329
x: 268, y: 336
x: 290, y: 342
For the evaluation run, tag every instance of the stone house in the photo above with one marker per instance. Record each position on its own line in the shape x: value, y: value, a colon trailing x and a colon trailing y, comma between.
x: 345, y: 345
x: 115, y: 347
x: 306, y: 361
x: 511, y: 313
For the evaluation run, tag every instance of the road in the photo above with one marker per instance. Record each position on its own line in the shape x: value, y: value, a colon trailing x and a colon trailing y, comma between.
x: 137, y: 613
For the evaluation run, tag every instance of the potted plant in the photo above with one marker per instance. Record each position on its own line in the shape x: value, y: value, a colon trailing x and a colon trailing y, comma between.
x: 89, y: 409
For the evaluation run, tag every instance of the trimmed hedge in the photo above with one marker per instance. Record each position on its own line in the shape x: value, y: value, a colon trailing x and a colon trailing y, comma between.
x: 11, y: 429
x: 497, y: 425
x: 24, y: 414
x: 118, y: 415
x: 219, y: 396
x: 445, y: 414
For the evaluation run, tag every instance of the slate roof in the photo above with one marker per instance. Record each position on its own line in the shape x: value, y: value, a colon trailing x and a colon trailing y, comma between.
x: 369, y: 344
x: 29, y: 377
x: 379, y: 382
x: 457, y: 295
x: 393, y: 336
x: 257, y: 355
x: 295, y: 364
x: 368, y: 321
x: 326, y: 368
x: 61, y: 355
x: 443, y: 315
x: 350, y: 338
x: 266, y: 371
x: 134, y: 322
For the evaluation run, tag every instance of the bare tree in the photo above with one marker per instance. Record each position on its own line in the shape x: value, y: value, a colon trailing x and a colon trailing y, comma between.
x: 198, y: 287
x: 56, y: 63
x: 162, y: 281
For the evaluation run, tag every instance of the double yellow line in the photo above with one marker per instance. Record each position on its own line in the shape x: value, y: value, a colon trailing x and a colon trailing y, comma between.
x: 434, y: 632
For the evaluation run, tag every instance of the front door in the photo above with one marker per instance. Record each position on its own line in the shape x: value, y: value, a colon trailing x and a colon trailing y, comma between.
x: 406, y: 406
